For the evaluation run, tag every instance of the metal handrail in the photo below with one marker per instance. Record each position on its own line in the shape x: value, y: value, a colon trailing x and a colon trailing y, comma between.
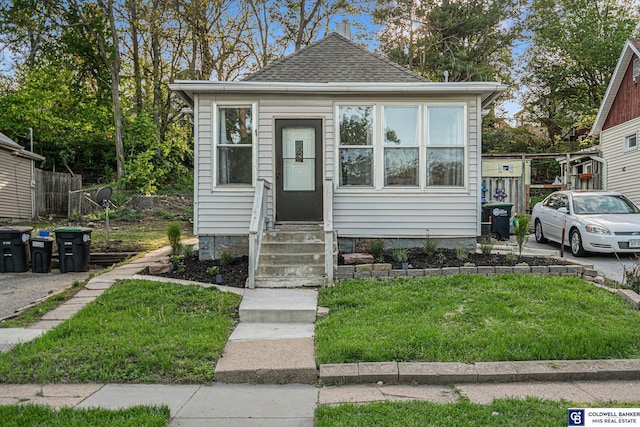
x: 328, y: 229
x: 256, y: 226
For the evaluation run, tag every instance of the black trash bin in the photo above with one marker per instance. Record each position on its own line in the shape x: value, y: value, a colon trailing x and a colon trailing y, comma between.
x: 499, y: 215
x: 14, y: 243
x: 74, y: 245
x: 41, y: 251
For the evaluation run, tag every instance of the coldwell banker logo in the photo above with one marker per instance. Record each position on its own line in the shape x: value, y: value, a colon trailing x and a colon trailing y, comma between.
x: 576, y: 417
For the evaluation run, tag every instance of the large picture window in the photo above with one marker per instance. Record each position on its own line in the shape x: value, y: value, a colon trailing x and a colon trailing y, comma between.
x: 445, y: 146
x: 401, y: 146
x: 235, y: 145
x: 356, y: 145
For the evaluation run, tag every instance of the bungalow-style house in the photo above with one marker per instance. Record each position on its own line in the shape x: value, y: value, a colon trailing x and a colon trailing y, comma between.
x: 333, y: 144
x: 618, y: 124
x: 17, y: 187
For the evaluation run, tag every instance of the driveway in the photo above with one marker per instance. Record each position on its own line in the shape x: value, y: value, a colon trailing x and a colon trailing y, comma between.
x: 609, y: 266
x: 18, y: 290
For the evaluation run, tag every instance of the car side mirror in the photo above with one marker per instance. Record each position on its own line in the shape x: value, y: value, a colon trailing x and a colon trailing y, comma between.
x: 563, y: 210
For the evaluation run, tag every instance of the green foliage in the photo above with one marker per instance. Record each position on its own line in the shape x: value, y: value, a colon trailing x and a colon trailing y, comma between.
x: 467, y: 39
x: 32, y: 415
x: 441, y: 257
x: 136, y: 332
x: 226, y: 258
x: 486, y: 248
x: 174, y: 234
x: 400, y: 255
x: 521, y: 231
x: 376, y: 247
x: 461, y: 252
x: 212, y: 271
x: 632, y: 276
x: 527, y: 412
x: 430, y: 245
x: 473, y: 318
x: 566, y: 77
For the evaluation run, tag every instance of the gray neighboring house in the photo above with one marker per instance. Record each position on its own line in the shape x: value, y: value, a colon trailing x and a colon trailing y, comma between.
x: 336, y: 137
x: 17, y: 186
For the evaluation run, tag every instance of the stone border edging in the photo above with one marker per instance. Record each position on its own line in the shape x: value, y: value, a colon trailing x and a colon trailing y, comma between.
x: 479, y: 372
x: 362, y: 271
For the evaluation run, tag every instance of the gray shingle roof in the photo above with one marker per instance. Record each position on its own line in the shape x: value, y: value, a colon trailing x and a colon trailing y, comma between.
x: 334, y: 59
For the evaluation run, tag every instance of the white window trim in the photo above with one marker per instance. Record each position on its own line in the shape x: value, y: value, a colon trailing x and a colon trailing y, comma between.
x: 214, y: 146
x: 626, y: 142
x: 378, y: 147
x: 419, y: 145
x: 374, y: 136
x: 464, y: 146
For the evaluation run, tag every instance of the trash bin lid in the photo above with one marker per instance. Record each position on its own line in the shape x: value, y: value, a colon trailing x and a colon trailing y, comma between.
x: 73, y: 230
x: 497, y: 205
x: 16, y: 229
x: 41, y: 239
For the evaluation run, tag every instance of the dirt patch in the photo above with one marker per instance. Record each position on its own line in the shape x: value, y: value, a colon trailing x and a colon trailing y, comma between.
x: 116, y: 246
x: 191, y: 268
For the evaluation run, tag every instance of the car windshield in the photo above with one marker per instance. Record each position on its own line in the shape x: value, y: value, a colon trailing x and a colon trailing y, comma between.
x: 603, y: 204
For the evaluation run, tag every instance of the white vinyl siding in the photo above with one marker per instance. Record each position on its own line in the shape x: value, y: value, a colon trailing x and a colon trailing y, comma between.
x: 623, y: 166
x: 15, y: 189
x: 358, y: 212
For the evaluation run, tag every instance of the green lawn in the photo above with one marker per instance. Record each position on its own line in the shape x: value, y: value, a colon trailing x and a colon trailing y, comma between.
x: 501, y: 413
x: 474, y: 318
x: 136, y: 332
x: 34, y: 415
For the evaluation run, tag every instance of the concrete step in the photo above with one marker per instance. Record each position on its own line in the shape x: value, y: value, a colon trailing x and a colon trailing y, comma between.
x: 299, y: 226
x: 293, y: 237
x: 271, y: 259
x: 292, y: 247
x: 285, y: 270
x: 290, y: 282
x: 279, y: 306
x: 275, y: 361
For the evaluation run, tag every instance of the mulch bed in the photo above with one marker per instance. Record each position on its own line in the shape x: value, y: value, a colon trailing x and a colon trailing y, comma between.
x: 234, y: 274
x: 449, y: 258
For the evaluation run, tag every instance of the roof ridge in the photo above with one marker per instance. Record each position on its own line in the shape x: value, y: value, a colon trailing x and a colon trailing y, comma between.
x: 335, y: 36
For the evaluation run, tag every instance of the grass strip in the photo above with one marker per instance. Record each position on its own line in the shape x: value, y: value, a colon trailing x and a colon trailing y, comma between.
x: 500, y: 413
x: 136, y: 332
x: 35, y: 415
x: 33, y: 314
x: 474, y: 318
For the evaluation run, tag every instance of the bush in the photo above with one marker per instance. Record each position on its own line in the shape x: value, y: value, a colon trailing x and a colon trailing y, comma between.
x: 521, y: 231
x: 376, y: 248
x: 173, y: 233
x: 226, y: 258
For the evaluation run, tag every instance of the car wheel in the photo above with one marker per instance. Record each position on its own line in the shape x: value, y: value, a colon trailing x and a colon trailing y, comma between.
x: 576, y: 244
x: 539, y: 235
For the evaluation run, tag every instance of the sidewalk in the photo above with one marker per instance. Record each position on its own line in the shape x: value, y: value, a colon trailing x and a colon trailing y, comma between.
x: 293, y: 405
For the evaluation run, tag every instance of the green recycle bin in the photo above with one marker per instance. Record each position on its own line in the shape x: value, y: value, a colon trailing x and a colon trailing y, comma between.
x: 74, y: 246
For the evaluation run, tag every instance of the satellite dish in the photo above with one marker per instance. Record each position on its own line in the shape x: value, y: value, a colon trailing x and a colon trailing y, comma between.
x: 103, y: 195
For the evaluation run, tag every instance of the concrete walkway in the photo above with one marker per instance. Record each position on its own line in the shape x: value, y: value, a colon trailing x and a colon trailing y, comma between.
x: 273, y: 341
x: 293, y: 405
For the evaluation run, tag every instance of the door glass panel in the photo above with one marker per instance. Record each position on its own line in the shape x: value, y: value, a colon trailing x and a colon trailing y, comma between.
x: 298, y: 159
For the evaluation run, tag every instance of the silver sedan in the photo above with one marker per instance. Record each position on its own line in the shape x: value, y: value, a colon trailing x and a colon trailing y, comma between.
x: 593, y: 221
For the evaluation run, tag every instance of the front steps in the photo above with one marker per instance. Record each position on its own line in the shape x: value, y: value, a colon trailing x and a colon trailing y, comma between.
x: 292, y: 256
x: 274, y: 341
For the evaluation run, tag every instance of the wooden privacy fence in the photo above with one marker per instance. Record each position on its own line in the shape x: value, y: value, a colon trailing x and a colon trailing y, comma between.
x: 52, y: 192
x: 512, y: 187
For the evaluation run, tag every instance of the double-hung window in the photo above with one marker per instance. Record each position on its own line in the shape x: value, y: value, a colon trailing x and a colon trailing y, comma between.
x: 356, y: 145
x: 630, y: 142
x: 401, y: 146
x: 445, y: 146
x: 234, y: 145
